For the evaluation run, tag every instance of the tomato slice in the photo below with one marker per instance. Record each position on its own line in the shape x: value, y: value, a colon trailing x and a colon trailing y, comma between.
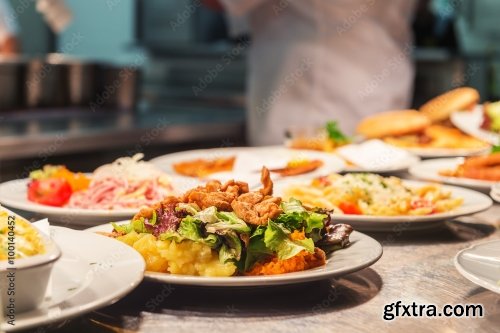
x: 51, y: 192
x: 350, y: 208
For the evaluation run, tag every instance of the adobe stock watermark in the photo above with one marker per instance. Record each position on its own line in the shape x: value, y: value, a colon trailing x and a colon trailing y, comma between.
x: 355, y: 15
x: 289, y: 81
x: 183, y: 16
x: 214, y: 71
x: 9, y: 309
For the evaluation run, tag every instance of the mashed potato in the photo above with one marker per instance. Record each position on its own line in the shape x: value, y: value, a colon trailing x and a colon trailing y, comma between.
x: 26, y: 240
x: 186, y: 257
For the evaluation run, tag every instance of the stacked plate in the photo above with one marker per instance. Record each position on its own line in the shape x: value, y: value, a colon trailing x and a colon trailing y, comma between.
x: 495, y: 192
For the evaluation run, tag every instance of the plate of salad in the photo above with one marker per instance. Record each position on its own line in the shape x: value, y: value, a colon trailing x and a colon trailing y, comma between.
x: 113, y: 191
x: 227, y: 235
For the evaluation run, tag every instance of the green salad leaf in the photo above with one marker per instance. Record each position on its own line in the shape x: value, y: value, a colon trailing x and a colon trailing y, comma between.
x: 495, y: 149
x: 276, y: 239
x: 171, y: 235
x: 190, y: 208
x: 256, y: 248
x: 296, y: 217
x: 134, y: 225
x: 227, y: 221
x: 231, y: 248
x: 208, y: 215
x: 190, y: 228
x: 334, y: 132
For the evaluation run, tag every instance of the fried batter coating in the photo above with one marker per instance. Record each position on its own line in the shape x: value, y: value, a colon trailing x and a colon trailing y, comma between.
x: 216, y: 194
x: 265, y: 179
x: 255, y: 208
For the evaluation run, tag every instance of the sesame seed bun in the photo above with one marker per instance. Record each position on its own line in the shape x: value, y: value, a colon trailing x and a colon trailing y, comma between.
x: 441, y: 107
x: 393, y: 123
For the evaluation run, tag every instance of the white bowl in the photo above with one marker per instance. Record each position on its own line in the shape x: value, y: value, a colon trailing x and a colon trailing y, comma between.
x: 24, y: 283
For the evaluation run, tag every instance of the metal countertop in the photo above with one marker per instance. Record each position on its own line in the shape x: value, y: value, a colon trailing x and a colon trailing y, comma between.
x: 415, y: 267
x: 28, y: 134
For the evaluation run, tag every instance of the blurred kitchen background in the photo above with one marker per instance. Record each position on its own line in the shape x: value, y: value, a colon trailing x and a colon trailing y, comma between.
x: 99, y: 79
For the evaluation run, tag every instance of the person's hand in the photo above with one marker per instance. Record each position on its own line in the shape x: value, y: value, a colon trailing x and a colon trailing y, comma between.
x: 213, y: 4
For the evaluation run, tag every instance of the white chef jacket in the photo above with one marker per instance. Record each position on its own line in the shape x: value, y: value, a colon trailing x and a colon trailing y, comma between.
x: 8, y: 21
x: 317, y: 60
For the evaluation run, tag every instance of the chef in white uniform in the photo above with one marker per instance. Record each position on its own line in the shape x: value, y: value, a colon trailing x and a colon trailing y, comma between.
x: 316, y: 60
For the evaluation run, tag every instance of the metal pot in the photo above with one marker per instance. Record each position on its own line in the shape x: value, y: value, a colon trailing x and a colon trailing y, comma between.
x: 81, y: 78
x: 117, y: 88
x: 12, y: 78
x: 47, y: 84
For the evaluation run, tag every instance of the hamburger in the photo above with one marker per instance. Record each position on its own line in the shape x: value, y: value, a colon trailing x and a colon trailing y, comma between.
x: 440, y: 108
x: 414, y: 129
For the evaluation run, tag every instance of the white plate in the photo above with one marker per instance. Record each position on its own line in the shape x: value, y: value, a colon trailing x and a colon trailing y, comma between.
x: 13, y: 194
x: 400, y: 167
x: 470, y: 122
x: 474, y: 202
x: 480, y: 264
x: 93, y: 272
x: 249, y: 161
x: 363, y: 252
x: 429, y: 170
x: 376, y: 156
x: 447, y: 152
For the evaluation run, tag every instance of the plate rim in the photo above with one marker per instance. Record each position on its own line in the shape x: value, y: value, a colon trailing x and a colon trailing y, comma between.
x: 269, y: 280
x: 469, y: 276
x: 456, y: 119
x: 95, y: 303
x: 158, y: 160
x: 456, y: 181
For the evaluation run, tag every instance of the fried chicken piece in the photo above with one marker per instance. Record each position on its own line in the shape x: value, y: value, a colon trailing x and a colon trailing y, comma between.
x: 235, y: 186
x: 255, y: 208
x: 265, y: 179
x: 214, y: 193
x: 220, y: 200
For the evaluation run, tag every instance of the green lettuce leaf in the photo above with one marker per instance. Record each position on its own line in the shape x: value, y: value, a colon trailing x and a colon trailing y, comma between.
x: 276, y: 238
x: 296, y: 217
x: 208, y: 215
x: 231, y: 248
x: 190, y: 208
x: 227, y: 221
x: 134, y: 225
x: 314, y: 221
x: 190, y: 228
x: 256, y: 248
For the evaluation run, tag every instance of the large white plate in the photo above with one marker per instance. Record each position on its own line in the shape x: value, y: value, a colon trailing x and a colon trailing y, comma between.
x: 249, y: 161
x: 480, y: 263
x: 363, y: 252
x: 94, y: 271
x: 399, y: 167
x: 474, y: 202
x: 470, y: 123
x: 495, y: 192
x: 447, y: 152
x: 13, y: 194
x: 429, y: 170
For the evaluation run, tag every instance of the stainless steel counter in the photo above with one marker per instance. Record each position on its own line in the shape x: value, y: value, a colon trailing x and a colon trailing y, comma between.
x: 415, y: 267
x: 43, y: 132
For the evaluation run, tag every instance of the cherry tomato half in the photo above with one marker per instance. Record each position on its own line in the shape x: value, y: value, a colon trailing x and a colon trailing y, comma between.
x: 52, y: 192
x: 350, y: 208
